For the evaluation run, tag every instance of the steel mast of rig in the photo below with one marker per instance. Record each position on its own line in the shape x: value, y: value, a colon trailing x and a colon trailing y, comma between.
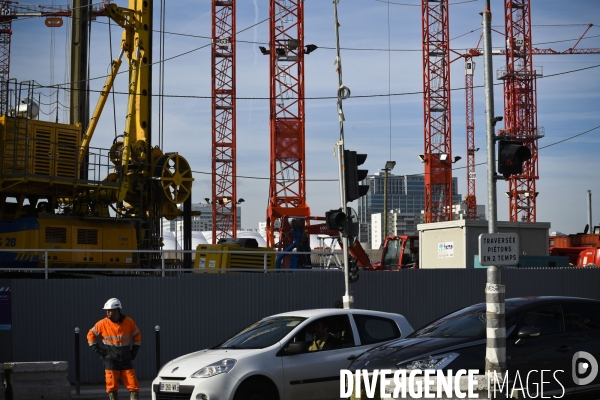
x: 436, y: 110
x: 224, y: 200
x: 287, y: 185
x: 520, y: 107
x: 471, y: 200
x: 81, y: 13
x: 5, y: 37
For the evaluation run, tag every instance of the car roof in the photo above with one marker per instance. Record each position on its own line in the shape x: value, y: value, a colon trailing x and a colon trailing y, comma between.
x: 330, y: 311
x: 518, y: 301
x: 527, y: 300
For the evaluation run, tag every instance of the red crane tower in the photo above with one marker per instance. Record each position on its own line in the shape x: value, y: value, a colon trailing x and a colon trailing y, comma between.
x: 470, y: 112
x: 5, y: 36
x: 471, y: 199
x: 287, y: 185
x: 224, y: 200
x: 436, y: 109
x: 520, y: 107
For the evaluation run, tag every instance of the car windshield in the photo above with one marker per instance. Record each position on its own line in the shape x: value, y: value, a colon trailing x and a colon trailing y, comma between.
x: 262, y: 334
x: 469, y: 323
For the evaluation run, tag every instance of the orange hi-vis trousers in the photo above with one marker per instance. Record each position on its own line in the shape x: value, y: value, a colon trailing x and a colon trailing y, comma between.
x: 127, y: 376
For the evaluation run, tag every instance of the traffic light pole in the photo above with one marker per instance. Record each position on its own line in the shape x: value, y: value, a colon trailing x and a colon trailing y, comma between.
x: 343, y: 93
x: 490, y: 119
x: 495, y: 353
x: 348, y: 300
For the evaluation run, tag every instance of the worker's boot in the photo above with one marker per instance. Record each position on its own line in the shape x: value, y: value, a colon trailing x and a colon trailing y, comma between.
x: 113, y: 396
x: 133, y: 395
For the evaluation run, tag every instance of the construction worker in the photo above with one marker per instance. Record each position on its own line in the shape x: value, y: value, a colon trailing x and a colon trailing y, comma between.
x: 122, y: 340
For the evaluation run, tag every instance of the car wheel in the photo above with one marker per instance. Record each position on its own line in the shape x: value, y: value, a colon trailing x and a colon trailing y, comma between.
x: 254, y: 390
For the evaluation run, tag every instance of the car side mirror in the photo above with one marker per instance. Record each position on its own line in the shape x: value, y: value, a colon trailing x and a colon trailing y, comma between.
x: 295, y: 348
x: 527, y: 332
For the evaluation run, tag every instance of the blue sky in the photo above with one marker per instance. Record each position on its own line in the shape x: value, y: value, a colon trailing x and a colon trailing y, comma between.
x: 384, y: 119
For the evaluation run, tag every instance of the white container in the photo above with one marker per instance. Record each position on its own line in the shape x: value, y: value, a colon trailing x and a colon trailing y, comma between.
x: 28, y: 108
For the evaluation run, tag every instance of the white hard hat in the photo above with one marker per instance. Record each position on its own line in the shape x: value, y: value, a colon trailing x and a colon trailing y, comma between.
x: 111, y: 304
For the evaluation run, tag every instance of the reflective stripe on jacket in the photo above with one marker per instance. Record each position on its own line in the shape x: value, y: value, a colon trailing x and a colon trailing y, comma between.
x: 117, y: 337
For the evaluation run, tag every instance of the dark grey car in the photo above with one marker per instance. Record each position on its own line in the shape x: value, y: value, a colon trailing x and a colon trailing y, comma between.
x: 558, y: 335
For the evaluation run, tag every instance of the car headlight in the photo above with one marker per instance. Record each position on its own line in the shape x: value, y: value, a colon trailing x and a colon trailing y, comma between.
x: 220, y: 367
x: 431, y: 362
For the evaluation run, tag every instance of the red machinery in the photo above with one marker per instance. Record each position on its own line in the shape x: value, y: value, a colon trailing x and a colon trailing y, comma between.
x: 589, y: 256
x: 399, y: 252
x: 582, y: 248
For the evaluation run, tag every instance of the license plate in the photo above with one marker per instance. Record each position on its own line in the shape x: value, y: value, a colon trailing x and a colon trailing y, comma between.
x: 169, y: 387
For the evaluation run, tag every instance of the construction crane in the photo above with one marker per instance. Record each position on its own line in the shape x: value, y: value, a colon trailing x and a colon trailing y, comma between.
x: 437, y: 155
x: 224, y: 197
x: 56, y: 206
x: 287, y: 187
x: 520, y: 107
x: 470, y: 117
x: 471, y: 199
x: 5, y: 36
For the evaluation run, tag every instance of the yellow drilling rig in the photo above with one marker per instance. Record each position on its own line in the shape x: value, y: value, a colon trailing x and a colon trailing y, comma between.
x: 58, y: 192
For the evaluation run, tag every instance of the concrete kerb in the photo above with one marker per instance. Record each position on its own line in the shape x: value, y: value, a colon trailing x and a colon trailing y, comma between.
x: 36, y: 380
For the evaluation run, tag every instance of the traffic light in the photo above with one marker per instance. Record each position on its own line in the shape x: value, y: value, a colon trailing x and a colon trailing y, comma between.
x: 352, y: 270
x: 353, y: 175
x: 335, y: 219
x: 511, y: 155
x: 351, y: 226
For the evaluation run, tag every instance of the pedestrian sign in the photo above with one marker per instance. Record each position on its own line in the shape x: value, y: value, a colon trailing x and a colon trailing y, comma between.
x: 499, y: 249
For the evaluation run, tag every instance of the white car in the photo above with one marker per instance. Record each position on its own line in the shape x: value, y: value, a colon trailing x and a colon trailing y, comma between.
x: 272, y: 358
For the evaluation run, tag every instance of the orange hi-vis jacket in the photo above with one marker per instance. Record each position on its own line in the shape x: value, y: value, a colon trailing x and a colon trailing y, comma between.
x: 118, y: 339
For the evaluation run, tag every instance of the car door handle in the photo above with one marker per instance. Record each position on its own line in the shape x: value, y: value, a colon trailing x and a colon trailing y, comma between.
x: 579, y: 337
x: 352, y: 358
x: 564, y: 348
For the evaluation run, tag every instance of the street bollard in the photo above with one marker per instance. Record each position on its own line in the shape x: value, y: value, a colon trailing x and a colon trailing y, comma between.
x: 77, y: 365
x: 157, y: 327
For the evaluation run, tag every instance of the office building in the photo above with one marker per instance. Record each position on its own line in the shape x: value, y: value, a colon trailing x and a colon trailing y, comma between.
x: 400, y: 223
x: 405, y: 194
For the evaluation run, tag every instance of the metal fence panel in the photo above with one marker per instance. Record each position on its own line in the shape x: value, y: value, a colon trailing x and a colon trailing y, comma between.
x: 195, y: 311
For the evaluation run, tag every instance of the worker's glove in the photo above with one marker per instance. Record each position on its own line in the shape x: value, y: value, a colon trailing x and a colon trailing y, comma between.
x: 99, y: 350
x: 133, y: 354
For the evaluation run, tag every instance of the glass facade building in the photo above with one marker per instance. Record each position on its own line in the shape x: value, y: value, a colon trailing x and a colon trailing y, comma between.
x: 405, y: 193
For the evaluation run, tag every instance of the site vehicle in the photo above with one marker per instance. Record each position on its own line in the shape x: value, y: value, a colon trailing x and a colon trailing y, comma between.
x: 233, y: 253
x: 57, y: 192
x: 589, y: 256
x: 273, y: 358
x: 398, y: 251
x: 581, y: 248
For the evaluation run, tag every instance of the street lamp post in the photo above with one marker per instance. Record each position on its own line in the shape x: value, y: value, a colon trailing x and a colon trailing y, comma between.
x: 388, y: 167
